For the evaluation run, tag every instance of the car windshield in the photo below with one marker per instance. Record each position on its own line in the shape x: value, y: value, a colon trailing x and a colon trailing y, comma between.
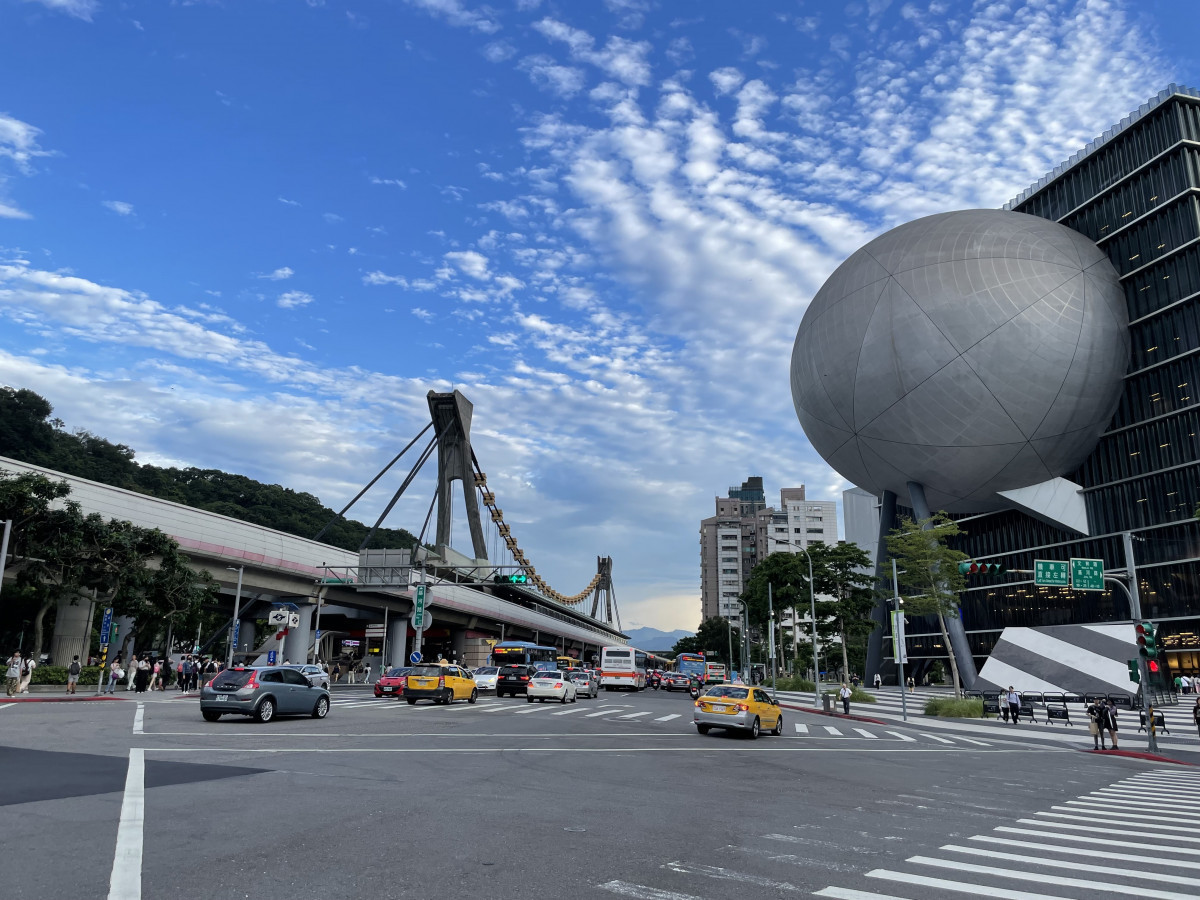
x: 232, y: 678
x: 396, y: 672
x: 427, y: 671
x: 515, y: 670
x: 486, y: 670
x: 724, y: 690
x: 549, y: 675
x: 579, y: 676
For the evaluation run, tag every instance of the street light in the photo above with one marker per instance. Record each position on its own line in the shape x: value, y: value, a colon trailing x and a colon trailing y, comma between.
x: 237, y: 604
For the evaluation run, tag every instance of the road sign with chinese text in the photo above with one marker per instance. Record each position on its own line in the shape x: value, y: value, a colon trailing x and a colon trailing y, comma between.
x: 899, y: 651
x: 1051, y: 573
x: 1087, y: 574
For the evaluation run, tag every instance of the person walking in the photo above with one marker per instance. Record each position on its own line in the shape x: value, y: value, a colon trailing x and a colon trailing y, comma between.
x: 350, y: 672
x: 1196, y: 715
x: 1095, y: 714
x: 1110, y: 723
x: 156, y: 674
x: 185, y: 673
x: 115, y: 674
x: 27, y: 674
x: 844, y: 693
x: 1186, y: 682
x: 367, y: 672
x: 337, y: 671
x: 912, y: 685
x: 73, y: 671
x: 141, y: 675
x: 1014, y: 704
x: 878, y: 681
x: 13, y: 674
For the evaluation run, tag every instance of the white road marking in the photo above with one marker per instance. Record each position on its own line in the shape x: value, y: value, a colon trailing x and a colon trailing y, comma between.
x: 667, y: 718
x: 934, y: 737
x: 791, y: 839
x: 641, y: 892
x: 1091, y: 839
x: 1043, y: 878
x: 567, y: 712
x: 1074, y: 865
x: 801, y: 729
x: 1168, y: 815
x: 138, y: 718
x: 865, y: 733
x: 634, y: 715
x: 125, y: 883
x: 6, y: 705
x: 831, y: 729
x: 838, y: 893
x: 1119, y: 821
x: 972, y: 741
x: 902, y: 736
x: 982, y: 890
x: 1120, y: 831
x: 708, y: 748
x: 541, y: 707
x: 603, y: 712
x: 728, y: 875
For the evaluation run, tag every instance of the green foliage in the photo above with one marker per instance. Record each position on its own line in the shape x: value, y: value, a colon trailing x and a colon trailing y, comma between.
x: 795, y: 683
x: 713, y: 634
x: 27, y: 433
x: 929, y: 576
x: 58, y: 675
x: 948, y: 707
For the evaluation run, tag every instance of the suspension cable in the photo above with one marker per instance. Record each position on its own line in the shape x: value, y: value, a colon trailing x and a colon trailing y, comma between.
x: 425, y: 454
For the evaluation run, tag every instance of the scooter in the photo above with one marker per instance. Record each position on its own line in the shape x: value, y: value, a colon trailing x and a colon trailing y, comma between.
x: 694, y: 688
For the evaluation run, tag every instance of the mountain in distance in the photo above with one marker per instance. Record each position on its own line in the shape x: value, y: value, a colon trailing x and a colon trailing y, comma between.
x: 653, y: 639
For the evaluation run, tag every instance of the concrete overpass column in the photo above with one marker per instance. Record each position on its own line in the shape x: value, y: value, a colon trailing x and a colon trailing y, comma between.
x: 246, y: 636
x: 296, y: 644
x: 72, y: 630
x: 458, y: 644
x: 397, y: 641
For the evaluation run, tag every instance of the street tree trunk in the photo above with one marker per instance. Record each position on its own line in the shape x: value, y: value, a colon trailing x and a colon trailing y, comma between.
x: 39, y: 629
x: 950, y: 653
x: 845, y: 652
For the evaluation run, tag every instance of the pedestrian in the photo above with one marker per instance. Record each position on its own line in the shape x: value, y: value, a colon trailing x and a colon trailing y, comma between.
x: 337, y: 671
x: 27, y: 674
x: 1186, y: 681
x: 73, y: 671
x: 1110, y: 722
x: 155, y: 675
x: 115, y: 674
x: 1178, y: 682
x: 1002, y: 705
x: 1014, y: 704
x: 844, y: 693
x: 350, y: 667
x: 1196, y: 715
x: 1095, y: 714
x: 131, y: 674
x: 185, y: 680
x: 912, y: 684
x: 367, y: 673
x: 878, y: 681
x: 13, y: 675
x: 179, y: 685
x: 210, y: 670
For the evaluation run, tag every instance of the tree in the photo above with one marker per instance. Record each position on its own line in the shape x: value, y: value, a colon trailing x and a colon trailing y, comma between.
x: 842, y: 573
x: 716, y: 634
x: 929, y: 576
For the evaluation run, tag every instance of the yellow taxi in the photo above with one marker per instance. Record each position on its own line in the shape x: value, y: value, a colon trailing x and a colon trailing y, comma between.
x: 441, y: 683
x: 737, y: 707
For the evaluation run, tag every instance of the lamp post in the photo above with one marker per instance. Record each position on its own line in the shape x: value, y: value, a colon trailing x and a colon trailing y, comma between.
x: 4, y: 550
x: 237, y: 605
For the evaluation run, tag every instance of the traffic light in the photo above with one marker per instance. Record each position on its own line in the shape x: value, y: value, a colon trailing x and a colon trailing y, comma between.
x: 1134, y: 675
x: 1152, y: 665
x: 1147, y: 640
x: 971, y: 567
x: 518, y: 578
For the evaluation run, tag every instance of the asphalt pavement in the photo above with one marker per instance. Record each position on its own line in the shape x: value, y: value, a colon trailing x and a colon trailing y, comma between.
x: 613, y: 796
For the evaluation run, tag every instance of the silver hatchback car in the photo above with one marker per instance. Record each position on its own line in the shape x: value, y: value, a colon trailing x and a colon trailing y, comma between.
x: 586, y: 683
x: 262, y: 693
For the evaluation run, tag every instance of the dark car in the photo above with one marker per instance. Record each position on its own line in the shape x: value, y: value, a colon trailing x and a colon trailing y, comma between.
x: 675, y: 681
x: 514, y: 679
x: 262, y: 693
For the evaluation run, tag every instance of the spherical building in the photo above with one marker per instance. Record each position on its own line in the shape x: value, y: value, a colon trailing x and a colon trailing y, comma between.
x: 972, y: 352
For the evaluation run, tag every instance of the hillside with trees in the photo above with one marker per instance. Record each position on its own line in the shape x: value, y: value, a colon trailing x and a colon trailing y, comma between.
x: 30, y: 433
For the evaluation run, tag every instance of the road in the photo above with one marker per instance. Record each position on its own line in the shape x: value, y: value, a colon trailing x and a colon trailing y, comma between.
x: 614, y: 796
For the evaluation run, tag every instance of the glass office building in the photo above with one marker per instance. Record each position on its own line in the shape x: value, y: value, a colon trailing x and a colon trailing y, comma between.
x: 1135, y: 191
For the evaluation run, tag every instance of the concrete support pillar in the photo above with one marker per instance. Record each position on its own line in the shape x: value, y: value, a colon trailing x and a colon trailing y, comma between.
x: 397, y: 641
x: 458, y: 644
x: 72, y: 630
x: 296, y: 644
x: 247, y: 635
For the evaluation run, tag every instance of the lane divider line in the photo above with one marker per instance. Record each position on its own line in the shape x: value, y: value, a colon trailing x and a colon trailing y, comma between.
x: 138, y: 718
x: 125, y: 883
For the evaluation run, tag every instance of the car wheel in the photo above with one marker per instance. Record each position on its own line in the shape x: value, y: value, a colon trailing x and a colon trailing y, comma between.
x: 563, y: 698
x: 412, y: 701
x: 449, y: 698
x: 528, y: 699
x: 574, y: 698
x: 755, y: 727
x: 778, y: 729
x: 474, y: 695
x: 210, y: 715
x: 321, y: 710
x: 266, y: 710
x: 703, y: 729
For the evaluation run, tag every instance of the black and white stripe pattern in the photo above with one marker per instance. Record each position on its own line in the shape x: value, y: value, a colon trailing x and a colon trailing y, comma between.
x: 1062, y: 658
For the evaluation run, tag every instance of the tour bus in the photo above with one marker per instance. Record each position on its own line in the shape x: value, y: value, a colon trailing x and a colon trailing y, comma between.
x: 622, y: 668
x: 507, y: 653
x: 714, y: 673
x: 691, y: 665
x: 568, y: 662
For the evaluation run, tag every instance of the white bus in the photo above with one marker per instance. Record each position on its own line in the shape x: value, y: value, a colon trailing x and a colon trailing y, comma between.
x: 622, y: 668
x: 714, y: 673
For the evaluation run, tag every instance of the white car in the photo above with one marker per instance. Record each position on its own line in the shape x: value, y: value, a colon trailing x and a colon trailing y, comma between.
x: 314, y: 675
x: 551, y: 685
x: 586, y: 684
x: 485, y: 677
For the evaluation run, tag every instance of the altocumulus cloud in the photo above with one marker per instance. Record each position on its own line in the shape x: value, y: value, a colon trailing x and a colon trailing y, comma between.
x: 294, y: 299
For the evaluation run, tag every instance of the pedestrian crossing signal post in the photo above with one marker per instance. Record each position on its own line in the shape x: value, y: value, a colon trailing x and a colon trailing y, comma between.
x: 899, y: 649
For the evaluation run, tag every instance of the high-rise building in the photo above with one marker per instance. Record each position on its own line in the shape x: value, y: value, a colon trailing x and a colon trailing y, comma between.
x: 746, y: 530
x: 1135, y: 191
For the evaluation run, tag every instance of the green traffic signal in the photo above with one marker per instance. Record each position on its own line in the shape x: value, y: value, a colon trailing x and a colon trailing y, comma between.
x: 1134, y: 675
x: 519, y: 578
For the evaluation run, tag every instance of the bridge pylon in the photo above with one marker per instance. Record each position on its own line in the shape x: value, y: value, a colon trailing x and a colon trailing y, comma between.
x: 451, y: 415
x: 604, y: 599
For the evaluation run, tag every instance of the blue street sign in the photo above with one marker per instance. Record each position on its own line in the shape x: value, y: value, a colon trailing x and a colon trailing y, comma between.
x: 271, y: 657
x: 318, y: 634
x: 106, y: 626
x: 237, y: 630
x: 414, y: 657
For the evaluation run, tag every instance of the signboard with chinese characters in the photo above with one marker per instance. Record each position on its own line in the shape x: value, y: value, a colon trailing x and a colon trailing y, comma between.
x: 1051, y: 573
x: 1087, y: 574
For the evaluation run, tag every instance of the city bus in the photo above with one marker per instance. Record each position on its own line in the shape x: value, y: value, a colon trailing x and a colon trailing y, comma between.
x: 714, y: 673
x: 622, y: 668
x: 508, y: 653
x: 568, y: 662
x: 691, y: 665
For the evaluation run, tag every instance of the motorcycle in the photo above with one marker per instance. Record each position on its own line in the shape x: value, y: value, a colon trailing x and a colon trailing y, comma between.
x: 694, y: 688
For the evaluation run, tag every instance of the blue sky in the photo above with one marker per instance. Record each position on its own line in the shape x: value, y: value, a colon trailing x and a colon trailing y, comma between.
x: 252, y: 234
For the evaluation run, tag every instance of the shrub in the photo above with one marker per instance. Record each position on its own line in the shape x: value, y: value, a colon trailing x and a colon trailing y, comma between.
x: 795, y: 683
x: 58, y: 675
x: 951, y: 708
x: 857, y: 695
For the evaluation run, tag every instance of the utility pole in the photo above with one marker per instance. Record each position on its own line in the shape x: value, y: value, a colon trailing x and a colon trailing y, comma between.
x: 233, y: 626
x: 771, y: 625
x: 1135, y: 611
x: 4, y: 549
x: 900, y: 645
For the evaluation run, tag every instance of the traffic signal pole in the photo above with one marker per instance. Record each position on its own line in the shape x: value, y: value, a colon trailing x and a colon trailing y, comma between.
x: 1135, y: 612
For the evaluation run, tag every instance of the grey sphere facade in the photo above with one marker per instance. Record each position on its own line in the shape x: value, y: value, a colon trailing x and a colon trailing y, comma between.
x: 973, y: 352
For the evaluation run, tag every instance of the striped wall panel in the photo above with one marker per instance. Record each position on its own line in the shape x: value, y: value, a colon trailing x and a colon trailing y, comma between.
x: 1078, y: 658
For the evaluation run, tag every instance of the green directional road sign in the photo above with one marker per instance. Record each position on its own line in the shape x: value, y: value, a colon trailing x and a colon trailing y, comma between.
x: 418, y: 613
x: 1051, y: 573
x: 1087, y: 574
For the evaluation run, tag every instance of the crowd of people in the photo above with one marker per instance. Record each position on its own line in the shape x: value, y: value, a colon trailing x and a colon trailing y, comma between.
x: 149, y: 673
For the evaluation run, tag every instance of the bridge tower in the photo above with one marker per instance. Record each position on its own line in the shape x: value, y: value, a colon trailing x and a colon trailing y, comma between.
x: 451, y: 415
x: 603, y: 598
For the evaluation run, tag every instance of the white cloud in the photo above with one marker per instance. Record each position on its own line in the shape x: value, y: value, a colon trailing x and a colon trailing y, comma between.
x: 80, y: 9
x: 332, y: 218
x: 499, y: 51
x: 423, y: 314
x: 382, y: 278
x: 545, y: 72
x: 470, y: 263
x: 393, y: 182
x: 621, y: 59
x: 11, y: 212
x: 120, y: 207
x: 293, y: 299
x: 287, y: 202
x: 281, y: 274
x: 455, y: 13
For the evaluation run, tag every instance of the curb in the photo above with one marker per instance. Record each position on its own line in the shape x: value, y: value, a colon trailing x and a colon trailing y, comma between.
x: 821, y: 712
x: 1134, y: 754
x: 75, y: 699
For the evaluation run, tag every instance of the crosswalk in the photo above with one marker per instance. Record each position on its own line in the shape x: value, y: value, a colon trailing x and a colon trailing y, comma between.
x: 483, y: 707
x: 833, y: 731
x: 1137, y: 837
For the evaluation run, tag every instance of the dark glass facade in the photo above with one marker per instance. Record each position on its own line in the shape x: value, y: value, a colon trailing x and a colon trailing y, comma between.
x: 1137, y: 195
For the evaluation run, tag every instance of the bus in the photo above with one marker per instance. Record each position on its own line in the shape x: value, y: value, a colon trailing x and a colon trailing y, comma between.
x: 508, y: 653
x: 622, y: 668
x: 691, y: 665
x: 568, y: 662
x: 714, y: 673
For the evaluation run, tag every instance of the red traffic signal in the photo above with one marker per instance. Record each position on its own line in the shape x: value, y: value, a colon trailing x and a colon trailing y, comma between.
x: 1152, y: 665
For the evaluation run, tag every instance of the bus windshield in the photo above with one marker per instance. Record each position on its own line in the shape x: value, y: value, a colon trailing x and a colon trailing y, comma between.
x: 690, y: 664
